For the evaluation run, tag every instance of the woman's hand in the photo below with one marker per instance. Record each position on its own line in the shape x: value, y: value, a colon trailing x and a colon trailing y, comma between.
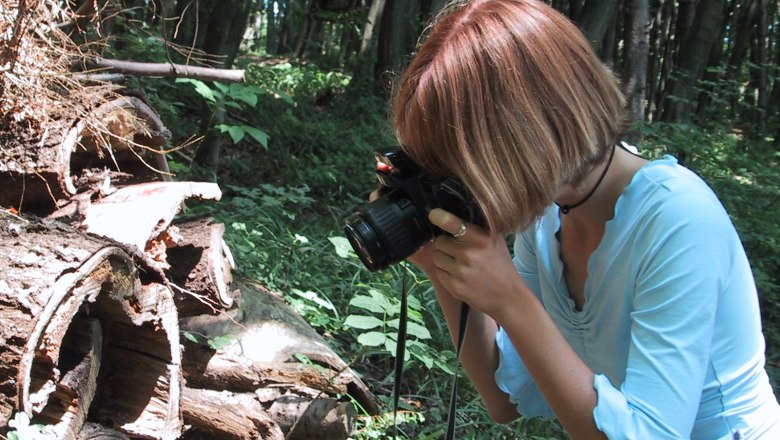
x: 476, y: 267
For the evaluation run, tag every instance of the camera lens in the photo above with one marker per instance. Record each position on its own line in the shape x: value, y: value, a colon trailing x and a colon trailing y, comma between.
x: 386, y: 231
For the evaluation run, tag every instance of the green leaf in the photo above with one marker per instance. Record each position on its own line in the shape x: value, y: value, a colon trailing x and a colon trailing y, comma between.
x: 372, y: 339
x: 200, y: 88
x: 412, y: 328
x: 315, y: 298
x: 189, y: 336
x: 343, y: 248
x: 221, y: 341
x: 233, y: 105
x: 258, y: 135
x: 417, y: 330
x: 362, y: 322
x: 222, y: 87
x: 243, y: 94
x: 366, y: 303
x: 236, y: 132
x: 382, y: 300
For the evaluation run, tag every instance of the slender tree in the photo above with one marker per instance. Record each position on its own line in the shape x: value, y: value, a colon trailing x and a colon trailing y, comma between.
x: 595, y: 21
x: 693, y: 57
x: 372, y: 21
x: 635, y: 59
x: 397, y: 36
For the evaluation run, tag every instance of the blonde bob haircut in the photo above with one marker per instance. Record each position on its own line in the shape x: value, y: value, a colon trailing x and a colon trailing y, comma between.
x: 509, y: 97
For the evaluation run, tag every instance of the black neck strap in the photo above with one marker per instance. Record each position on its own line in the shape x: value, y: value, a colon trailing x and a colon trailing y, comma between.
x: 566, y: 208
x: 400, y: 352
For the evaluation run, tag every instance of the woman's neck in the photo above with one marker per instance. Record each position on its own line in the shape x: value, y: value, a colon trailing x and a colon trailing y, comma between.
x: 606, y: 182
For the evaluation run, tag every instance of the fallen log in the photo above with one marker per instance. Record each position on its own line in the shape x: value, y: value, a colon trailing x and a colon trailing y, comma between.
x: 267, y: 340
x: 43, y: 170
x: 164, y: 70
x: 69, y: 403
x: 137, y: 215
x: 79, y: 323
x: 204, y: 367
x: 93, y: 431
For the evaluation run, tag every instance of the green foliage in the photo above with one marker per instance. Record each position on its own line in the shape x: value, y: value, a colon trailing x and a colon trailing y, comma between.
x: 301, y: 80
x: 234, y: 97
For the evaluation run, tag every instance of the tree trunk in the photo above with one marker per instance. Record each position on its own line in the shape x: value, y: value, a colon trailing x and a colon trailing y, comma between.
x: 69, y: 156
x: 637, y: 43
x: 221, y: 37
x: 693, y: 57
x: 397, y: 35
x: 374, y: 17
x: 226, y: 416
x: 595, y: 20
x: 667, y: 63
x: 763, y: 62
x: 201, y: 266
x: 245, y: 358
x: 93, y: 431
x: 305, y: 30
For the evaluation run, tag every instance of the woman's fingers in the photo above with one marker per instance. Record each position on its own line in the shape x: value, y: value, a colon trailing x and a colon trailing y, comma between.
x: 449, y: 223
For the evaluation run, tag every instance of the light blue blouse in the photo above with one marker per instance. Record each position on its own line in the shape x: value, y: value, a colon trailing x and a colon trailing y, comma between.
x: 671, y: 323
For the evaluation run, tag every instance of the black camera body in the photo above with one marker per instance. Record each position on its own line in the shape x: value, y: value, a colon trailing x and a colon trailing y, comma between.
x: 395, y: 225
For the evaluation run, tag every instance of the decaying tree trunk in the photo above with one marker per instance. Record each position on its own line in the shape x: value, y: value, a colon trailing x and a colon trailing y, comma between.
x: 72, y: 156
x: 79, y: 324
x: 226, y: 415
x: 261, y: 364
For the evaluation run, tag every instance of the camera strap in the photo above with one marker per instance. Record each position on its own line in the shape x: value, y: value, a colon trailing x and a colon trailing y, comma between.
x: 400, y: 352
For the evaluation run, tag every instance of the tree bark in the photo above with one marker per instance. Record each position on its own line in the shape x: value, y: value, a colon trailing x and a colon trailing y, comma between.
x: 595, y: 20
x: 263, y: 331
x: 693, y: 57
x: 201, y: 266
x: 374, y: 17
x: 299, y: 398
x: 227, y: 416
x: 397, y: 35
x: 93, y: 431
x: 313, y: 419
x: 763, y: 63
x: 637, y: 44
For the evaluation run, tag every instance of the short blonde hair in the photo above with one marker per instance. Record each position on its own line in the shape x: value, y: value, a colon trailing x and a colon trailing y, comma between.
x: 509, y: 97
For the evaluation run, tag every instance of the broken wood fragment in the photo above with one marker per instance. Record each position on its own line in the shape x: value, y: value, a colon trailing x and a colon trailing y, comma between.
x: 137, y: 214
x: 201, y: 267
x: 227, y: 416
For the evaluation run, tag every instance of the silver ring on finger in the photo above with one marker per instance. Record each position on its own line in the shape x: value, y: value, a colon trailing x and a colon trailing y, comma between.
x: 461, y: 232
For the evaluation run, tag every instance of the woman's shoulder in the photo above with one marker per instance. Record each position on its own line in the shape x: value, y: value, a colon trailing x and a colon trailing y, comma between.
x: 663, y: 187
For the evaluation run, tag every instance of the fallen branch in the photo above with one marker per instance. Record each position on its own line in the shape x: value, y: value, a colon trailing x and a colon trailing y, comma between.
x: 163, y: 70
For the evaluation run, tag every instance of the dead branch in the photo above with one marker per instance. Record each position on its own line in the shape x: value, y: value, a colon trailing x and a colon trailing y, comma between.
x: 163, y: 70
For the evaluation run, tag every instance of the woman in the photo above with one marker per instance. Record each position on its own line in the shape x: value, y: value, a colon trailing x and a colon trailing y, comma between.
x: 629, y: 309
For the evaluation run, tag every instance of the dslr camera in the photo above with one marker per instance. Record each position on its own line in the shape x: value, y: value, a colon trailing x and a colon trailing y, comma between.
x: 395, y: 225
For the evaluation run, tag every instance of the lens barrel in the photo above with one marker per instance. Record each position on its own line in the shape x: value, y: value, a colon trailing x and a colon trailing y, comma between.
x: 386, y: 231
